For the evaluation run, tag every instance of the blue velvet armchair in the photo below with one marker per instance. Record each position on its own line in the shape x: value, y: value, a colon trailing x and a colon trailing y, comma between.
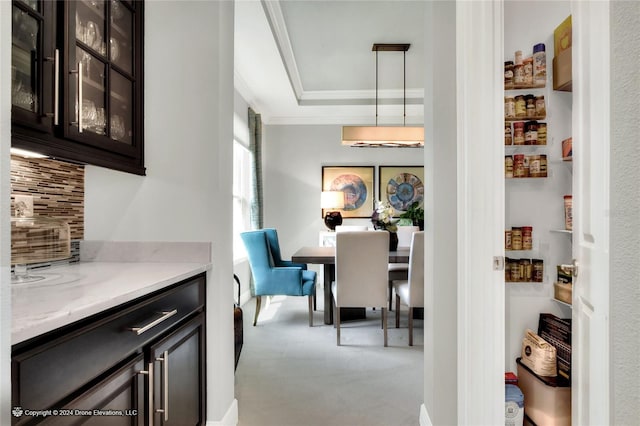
x: 271, y: 279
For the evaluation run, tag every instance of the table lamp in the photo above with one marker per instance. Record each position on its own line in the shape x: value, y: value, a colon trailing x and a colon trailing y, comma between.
x: 329, y: 201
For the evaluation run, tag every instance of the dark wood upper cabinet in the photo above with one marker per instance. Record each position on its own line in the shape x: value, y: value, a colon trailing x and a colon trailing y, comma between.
x: 77, y: 81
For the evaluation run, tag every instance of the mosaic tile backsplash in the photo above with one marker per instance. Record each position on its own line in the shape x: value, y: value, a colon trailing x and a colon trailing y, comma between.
x: 57, y: 189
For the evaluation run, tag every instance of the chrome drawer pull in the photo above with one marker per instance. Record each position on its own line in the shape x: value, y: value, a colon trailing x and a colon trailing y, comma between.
x: 165, y: 316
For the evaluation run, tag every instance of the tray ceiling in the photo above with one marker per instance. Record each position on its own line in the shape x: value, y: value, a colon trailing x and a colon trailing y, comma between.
x: 303, y: 62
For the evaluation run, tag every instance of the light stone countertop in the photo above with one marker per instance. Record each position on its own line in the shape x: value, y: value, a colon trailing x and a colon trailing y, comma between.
x: 73, y: 292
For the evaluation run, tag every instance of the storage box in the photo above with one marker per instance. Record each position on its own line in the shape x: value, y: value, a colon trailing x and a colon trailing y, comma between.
x: 547, y: 400
x: 513, y: 406
x: 562, y: 79
x: 562, y: 36
x: 563, y: 292
x: 567, y: 149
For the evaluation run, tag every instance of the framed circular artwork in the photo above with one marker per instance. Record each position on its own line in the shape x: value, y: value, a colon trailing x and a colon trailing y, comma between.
x: 402, y: 186
x: 356, y: 182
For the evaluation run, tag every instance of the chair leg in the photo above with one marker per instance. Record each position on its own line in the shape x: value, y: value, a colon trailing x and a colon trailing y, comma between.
x: 311, y: 298
x: 337, y: 312
x: 397, y: 311
x: 384, y: 319
x: 410, y: 326
x: 315, y: 299
x: 390, y: 296
x: 258, y: 303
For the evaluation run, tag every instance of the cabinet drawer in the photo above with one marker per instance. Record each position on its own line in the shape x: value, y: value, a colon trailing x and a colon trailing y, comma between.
x: 56, y: 368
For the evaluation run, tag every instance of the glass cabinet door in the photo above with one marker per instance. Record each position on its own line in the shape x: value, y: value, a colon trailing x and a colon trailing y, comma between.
x: 31, y: 49
x: 101, y: 73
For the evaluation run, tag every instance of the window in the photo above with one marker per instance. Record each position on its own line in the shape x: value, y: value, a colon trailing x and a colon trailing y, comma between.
x: 241, y: 196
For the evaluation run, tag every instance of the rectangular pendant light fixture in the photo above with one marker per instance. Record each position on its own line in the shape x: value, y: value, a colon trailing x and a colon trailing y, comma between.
x: 385, y: 136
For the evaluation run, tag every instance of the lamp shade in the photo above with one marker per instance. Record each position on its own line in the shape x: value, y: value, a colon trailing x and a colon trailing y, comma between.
x: 383, y: 136
x: 332, y: 200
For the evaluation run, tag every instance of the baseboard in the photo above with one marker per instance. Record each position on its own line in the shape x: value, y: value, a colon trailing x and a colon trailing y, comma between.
x: 424, y: 416
x: 230, y: 418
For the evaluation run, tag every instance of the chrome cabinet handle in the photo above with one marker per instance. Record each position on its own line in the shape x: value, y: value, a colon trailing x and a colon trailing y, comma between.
x: 79, y: 116
x: 150, y: 394
x: 165, y: 386
x: 165, y: 315
x: 56, y: 85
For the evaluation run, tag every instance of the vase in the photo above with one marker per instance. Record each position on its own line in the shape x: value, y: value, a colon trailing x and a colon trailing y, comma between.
x: 393, y: 241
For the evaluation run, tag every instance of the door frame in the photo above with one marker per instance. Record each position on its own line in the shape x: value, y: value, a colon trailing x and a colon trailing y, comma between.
x: 481, y: 296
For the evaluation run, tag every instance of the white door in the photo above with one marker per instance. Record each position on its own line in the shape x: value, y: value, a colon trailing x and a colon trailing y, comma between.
x: 590, y: 343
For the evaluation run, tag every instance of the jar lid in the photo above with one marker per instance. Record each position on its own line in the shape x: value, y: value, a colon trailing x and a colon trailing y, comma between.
x: 508, y: 63
x: 538, y: 48
x: 529, y: 59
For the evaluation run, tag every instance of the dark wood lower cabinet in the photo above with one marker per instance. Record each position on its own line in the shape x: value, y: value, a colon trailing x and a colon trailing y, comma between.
x: 122, y: 392
x: 179, y: 376
x: 141, y: 363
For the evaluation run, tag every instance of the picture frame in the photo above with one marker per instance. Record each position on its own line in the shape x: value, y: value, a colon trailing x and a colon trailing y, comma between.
x: 401, y: 186
x: 357, y: 182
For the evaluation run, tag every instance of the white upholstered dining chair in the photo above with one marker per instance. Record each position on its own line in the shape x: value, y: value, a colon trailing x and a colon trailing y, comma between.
x: 410, y: 292
x: 400, y: 271
x: 361, y: 273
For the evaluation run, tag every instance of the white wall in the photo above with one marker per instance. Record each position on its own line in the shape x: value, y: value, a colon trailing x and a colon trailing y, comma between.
x: 188, y: 151
x: 293, y: 157
x: 537, y: 202
x: 440, y: 325
x: 625, y: 220
x: 5, y: 236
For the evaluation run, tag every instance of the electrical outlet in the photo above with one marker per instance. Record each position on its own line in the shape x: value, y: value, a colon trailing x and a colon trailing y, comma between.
x: 23, y: 205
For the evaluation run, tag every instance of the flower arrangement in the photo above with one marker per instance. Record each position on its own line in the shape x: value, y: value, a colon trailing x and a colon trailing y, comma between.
x: 382, y: 217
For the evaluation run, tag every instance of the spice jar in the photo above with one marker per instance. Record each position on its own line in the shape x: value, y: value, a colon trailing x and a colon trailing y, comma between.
x: 528, y: 70
x: 508, y: 73
x: 518, y: 74
x: 508, y: 138
x: 542, y: 133
x: 534, y: 166
x: 530, y: 102
x: 518, y: 167
x: 525, y: 164
x: 543, y: 165
x: 521, y: 106
x: 518, y: 133
x: 507, y: 269
x: 568, y: 214
x: 540, y: 108
x: 518, y: 57
x: 507, y: 239
x: 527, y: 237
x: 516, y: 238
x: 509, y: 107
x: 538, y: 270
x: 514, y: 266
x: 531, y: 133
x: 508, y: 166
x: 539, y: 64
x: 526, y: 270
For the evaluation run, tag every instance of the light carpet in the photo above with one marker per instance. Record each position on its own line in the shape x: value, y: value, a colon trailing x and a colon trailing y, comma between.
x: 292, y: 375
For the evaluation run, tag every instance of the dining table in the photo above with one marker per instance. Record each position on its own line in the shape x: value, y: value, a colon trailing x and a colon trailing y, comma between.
x: 326, y: 256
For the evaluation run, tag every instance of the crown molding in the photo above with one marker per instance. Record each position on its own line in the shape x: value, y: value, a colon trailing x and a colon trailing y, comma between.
x: 275, y: 18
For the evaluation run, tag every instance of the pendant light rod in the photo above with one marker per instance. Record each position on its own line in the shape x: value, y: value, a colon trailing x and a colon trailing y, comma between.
x: 394, y: 47
x: 376, y: 88
x: 404, y: 88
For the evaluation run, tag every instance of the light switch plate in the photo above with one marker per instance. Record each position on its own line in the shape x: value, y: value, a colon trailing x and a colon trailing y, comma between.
x: 23, y: 203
